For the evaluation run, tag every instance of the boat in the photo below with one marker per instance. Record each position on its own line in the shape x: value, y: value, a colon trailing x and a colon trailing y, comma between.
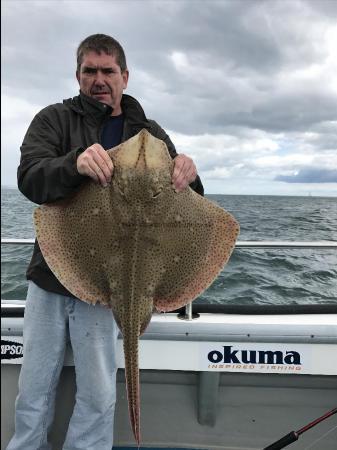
x: 212, y: 376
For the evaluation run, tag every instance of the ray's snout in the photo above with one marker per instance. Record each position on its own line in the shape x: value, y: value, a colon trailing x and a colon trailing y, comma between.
x: 144, y: 170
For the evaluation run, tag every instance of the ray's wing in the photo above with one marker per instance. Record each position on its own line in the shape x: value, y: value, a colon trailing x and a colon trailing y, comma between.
x: 197, y: 238
x: 80, y: 240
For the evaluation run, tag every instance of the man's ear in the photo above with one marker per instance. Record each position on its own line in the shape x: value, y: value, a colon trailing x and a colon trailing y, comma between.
x: 125, y: 76
x: 77, y: 75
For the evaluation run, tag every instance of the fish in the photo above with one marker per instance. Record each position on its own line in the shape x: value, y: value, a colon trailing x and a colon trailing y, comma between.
x: 136, y: 246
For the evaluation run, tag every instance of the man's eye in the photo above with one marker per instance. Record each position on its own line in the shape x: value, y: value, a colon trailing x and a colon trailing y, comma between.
x: 89, y: 70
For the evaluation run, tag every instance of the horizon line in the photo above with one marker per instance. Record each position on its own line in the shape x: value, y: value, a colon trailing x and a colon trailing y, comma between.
x: 310, y: 194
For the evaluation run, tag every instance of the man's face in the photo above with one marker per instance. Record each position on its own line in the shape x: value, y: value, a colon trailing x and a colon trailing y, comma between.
x: 100, y: 77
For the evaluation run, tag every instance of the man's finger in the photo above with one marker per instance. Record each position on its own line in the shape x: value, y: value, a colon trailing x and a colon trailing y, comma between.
x: 106, y: 158
x: 90, y: 173
x: 97, y: 173
x: 184, y: 172
x: 96, y: 163
x: 103, y: 166
x: 179, y: 164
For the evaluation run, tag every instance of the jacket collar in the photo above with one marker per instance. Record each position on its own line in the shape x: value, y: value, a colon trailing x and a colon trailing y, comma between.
x: 84, y: 105
x: 134, y: 114
x: 131, y: 108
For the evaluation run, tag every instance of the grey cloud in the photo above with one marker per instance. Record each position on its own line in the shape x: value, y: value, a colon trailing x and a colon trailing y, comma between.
x: 328, y: 8
x: 279, y: 112
x: 246, y: 42
x: 291, y: 112
x: 243, y: 55
x: 325, y: 138
x: 310, y: 175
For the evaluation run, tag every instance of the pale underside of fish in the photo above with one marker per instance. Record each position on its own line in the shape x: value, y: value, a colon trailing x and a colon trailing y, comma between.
x: 136, y: 246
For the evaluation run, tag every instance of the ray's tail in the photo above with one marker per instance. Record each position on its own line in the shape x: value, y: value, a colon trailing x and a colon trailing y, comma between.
x: 132, y: 381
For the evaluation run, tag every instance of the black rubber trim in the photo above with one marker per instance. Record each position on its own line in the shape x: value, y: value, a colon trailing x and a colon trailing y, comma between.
x: 18, y: 311
x: 12, y: 311
x: 261, y: 309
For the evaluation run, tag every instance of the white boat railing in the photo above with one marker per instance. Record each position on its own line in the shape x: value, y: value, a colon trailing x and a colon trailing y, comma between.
x: 239, y: 244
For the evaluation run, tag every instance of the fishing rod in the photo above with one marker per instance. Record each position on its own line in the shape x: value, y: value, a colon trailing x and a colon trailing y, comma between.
x: 294, y: 435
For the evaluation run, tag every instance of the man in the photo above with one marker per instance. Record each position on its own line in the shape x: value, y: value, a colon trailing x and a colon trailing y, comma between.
x: 64, y: 145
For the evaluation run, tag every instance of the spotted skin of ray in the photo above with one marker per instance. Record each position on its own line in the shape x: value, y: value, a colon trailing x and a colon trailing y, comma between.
x: 137, y: 245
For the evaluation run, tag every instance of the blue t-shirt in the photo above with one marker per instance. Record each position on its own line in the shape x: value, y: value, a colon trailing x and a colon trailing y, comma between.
x: 112, y: 132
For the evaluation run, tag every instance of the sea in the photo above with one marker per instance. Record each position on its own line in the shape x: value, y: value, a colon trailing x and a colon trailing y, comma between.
x: 252, y: 276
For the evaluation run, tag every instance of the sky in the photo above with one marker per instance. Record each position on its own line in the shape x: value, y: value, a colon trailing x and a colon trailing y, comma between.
x: 247, y: 88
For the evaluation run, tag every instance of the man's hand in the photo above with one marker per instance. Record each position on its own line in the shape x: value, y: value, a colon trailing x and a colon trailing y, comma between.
x: 96, y: 164
x: 184, y: 172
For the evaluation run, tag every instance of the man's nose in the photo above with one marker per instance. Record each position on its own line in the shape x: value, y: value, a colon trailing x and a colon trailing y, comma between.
x: 99, y: 79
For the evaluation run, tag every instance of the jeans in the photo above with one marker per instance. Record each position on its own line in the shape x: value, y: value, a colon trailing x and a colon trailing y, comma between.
x: 50, y: 321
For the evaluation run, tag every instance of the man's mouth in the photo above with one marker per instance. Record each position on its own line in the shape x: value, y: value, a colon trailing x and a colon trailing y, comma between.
x: 100, y: 93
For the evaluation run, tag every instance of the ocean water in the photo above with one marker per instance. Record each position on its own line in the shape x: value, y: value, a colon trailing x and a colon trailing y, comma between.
x: 252, y: 276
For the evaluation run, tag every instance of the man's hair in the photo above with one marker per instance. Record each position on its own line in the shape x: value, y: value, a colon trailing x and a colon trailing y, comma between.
x: 101, y: 43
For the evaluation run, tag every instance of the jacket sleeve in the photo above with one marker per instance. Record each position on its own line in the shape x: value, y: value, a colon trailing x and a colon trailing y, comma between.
x: 158, y: 132
x: 47, y: 171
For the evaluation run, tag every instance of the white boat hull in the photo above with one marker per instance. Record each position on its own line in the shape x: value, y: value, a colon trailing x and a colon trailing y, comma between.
x: 221, y: 381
